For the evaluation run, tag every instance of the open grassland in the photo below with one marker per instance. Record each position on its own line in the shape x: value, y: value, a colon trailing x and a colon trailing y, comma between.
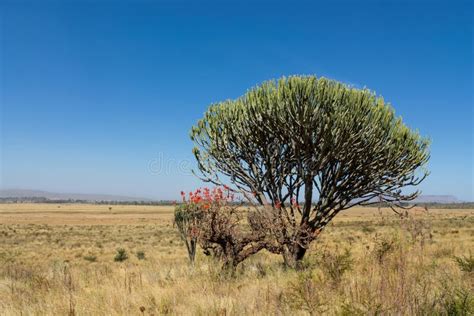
x: 59, y: 260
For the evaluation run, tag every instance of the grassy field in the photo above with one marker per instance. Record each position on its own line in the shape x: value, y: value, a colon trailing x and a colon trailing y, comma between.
x: 58, y: 259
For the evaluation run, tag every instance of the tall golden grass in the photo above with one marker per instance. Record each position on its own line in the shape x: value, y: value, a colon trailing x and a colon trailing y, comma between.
x: 59, y: 260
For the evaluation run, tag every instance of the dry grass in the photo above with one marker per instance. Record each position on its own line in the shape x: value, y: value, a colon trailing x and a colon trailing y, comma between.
x: 59, y: 259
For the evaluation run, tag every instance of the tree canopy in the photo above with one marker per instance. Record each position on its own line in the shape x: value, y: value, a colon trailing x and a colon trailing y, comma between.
x: 310, y: 140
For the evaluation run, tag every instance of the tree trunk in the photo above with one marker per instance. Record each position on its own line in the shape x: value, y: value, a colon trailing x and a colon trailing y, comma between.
x: 293, y: 256
x: 191, y: 247
x: 229, y: 268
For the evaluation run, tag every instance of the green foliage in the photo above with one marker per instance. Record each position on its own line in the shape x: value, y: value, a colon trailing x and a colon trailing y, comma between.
x: 465, y: 263
x: 90, y: 258
x: 459, y: 302
x: 314, y: 120
x: 141, y: 255
x: 185, y: 214
x: 186, y: 217
x: 121, y: 255
x: 301, y: 138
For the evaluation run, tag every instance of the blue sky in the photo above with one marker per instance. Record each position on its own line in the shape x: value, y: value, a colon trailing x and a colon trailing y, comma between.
x: 99, y: 96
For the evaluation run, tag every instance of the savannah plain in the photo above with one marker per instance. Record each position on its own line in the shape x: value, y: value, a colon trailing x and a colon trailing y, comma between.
x: 58, y: 259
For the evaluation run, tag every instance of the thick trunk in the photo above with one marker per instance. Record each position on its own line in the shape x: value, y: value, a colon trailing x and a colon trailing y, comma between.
x: 294, y: 253
x: 229, y: 267
x: 293, y: 256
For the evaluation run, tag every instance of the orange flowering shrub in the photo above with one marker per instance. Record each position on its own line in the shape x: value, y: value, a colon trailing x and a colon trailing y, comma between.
x: 211, y: 219
x: 193, y: 216
x: 205, y: 197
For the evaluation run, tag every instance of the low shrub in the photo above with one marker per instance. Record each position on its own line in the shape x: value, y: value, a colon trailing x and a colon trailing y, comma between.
x: 384, y: 246
x: 335, y: 264
x: 367, y: 229
x: 458, y: 302
x: 90, y: 258
x: 140, y: 255
x: 304, y: 294
x: 211, y: 219
x: 466, y: 264
x: 121, y: 255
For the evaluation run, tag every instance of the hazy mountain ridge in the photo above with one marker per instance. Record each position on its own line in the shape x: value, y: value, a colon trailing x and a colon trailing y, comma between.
x: 21, y: 193
x: 437, y: 199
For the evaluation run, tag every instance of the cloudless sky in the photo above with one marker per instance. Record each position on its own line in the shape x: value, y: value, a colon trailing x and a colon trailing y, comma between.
x: 99, y: 96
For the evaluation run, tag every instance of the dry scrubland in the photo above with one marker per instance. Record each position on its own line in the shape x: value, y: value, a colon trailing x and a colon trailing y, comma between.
x: 59, y: 259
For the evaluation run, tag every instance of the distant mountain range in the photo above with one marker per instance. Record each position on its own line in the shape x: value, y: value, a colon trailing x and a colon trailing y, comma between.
x: 20, y: 193
x: 445, y: 199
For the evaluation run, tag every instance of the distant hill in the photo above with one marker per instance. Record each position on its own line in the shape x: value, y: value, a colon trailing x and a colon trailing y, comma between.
x: 444, y: 199
x: 38, y: 195
x: 25, y: 194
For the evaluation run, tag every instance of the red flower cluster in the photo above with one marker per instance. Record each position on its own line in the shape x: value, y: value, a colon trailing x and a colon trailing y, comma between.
x: 294, y: 203
x: 205, y: 197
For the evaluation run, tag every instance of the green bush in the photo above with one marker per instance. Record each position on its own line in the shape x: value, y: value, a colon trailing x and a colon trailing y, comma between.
x: 465, y: 263
x: 121, y: 255
x: 140, y: 255
x: 460, y: 302
x: 305, y: 294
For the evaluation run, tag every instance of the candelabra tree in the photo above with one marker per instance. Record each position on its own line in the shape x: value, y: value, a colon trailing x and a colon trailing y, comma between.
x: 306, y: 148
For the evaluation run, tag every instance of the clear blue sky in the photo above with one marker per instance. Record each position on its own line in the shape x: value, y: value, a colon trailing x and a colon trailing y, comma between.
x: 99, y: 96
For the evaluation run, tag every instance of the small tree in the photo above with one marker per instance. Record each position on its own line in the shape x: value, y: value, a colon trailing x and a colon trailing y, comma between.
x: 305, y: 149
x: 211, y: 219
x: 186, y: 220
